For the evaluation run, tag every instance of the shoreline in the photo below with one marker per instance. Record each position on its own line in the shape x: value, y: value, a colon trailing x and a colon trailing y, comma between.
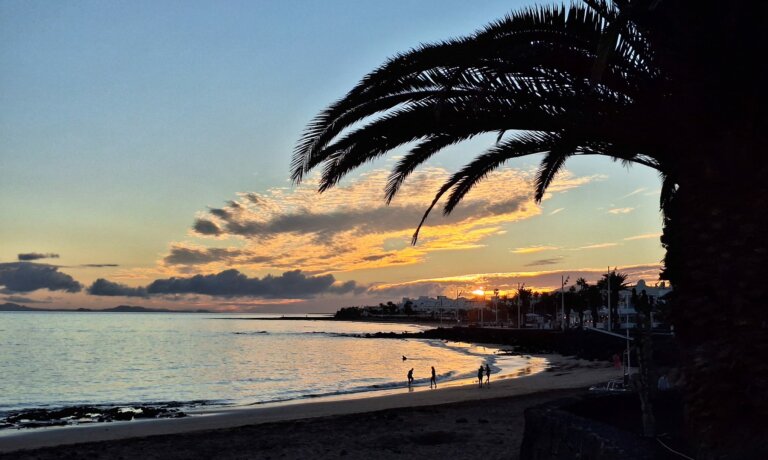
x: 76, y: 415
x: 567, y: 373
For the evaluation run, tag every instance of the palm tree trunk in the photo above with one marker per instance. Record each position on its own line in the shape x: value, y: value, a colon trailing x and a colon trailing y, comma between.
x: 715, y: 231
x: 647, y: 374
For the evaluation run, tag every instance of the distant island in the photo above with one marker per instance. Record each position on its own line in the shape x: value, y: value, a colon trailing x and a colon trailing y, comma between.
x: 9, y: 306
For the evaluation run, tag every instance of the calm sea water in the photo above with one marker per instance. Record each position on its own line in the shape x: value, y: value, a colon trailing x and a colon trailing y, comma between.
x: 62, y: 359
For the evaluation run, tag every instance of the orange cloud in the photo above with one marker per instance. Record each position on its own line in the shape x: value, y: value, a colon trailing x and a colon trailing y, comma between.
x: 644, y: 236
x: 350, y: 227
x: 620, y: 210
x: 533, y: 249
x: 597, y: 246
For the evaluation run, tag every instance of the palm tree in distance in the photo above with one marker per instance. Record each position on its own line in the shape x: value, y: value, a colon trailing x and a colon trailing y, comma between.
x: 671, y: 85
x: 617, y: 281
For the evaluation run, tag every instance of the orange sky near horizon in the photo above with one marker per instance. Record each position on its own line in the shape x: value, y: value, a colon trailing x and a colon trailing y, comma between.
x: 161, y: 178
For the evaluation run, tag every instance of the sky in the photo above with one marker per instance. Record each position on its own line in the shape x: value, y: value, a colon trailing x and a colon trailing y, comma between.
x: 145, y: 150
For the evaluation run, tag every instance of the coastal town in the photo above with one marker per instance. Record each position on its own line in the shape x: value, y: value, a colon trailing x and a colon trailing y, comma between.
x: 581, y: 305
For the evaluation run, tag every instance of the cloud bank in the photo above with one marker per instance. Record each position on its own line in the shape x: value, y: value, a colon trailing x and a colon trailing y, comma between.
x: 28, y: 277
x: 37, y: 255
x: 350, y: 227
x: 231, y: 283
x: 104, y: 287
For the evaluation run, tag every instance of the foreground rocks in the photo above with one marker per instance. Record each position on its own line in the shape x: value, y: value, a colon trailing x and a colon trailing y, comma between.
x: 75, y: 415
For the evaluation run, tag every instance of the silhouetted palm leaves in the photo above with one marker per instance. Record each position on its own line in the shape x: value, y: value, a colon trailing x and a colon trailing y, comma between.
x: 553, y: 80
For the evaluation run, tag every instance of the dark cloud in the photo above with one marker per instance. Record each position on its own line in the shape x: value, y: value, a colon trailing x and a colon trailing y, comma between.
x: 22, y: 300
x: 377, y: 256
x: 539, y: 262
x: 28, y: 276
x: 232, y: 283
x: 324, y: 226
x: 346, y: 288
x: 253, y: 198
x: 206, y: 227
x: 190, y: 256
x: 221, y: 213
x: 109, y: 288
x: 507, y: 206
x: 99, y: 265
x: 37, y: 255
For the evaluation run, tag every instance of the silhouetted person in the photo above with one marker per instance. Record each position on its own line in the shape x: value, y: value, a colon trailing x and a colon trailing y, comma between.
x: 433, y: 380
x: 487, y: 374
x: 410, y: 377
x: 480, y: 376
x: 404, y: 358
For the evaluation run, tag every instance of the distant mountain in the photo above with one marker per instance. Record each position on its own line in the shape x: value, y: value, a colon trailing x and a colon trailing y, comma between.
x: 135, y: 309
x: 15, y: 307
x: 119, y: 309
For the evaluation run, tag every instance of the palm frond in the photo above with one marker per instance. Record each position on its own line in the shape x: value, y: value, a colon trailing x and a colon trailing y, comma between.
x: 668, y: 191
x: 462, y: 181
x: 521, y: 45
x: 563, y: 80
x: 552, y: 164
x: 417, y: 156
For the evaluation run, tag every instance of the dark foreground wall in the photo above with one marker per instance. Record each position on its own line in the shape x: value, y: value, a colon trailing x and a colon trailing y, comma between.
x: 584, y: 344
x: 603, y: 427
x: 553, y: 433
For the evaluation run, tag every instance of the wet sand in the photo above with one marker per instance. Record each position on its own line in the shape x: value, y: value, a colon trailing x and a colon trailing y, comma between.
x: 456, y: 421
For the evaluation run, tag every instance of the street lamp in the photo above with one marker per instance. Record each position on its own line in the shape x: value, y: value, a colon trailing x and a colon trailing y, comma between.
x: 519, y: 289
x: 563, y: 282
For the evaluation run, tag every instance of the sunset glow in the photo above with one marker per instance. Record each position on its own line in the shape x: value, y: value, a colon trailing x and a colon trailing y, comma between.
x: 161, y: 179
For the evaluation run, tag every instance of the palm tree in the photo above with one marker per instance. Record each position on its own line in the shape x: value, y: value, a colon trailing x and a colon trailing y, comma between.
x: 581, y: 300
x: 647, y: 375
x: 660, y: 83
x: 617, y: 282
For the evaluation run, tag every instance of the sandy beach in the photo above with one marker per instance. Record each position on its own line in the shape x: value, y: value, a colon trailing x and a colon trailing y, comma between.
x: 462, y: 421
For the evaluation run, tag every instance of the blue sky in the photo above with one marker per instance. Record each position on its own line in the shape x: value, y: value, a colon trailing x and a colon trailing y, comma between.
x: 123, y: 122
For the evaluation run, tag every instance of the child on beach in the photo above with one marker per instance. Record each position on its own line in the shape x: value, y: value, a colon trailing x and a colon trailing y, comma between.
x: 410, y: 377
x: 480, y: 376
x: 487, y: 374
x: 433, y: 380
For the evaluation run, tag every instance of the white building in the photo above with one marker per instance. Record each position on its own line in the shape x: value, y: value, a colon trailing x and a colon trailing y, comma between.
x: 627, y: 313
x: 441, y: 304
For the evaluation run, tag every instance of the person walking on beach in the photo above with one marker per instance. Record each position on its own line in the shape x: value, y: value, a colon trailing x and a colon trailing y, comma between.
x: 410, y: 377
x: 433, y: 380
x: 487, y: 375
x: 480, y: 376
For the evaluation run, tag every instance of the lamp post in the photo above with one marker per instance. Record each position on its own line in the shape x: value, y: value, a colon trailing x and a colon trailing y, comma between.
x: 482, y: 307
x: 608, y: 282
x: 440, y: 312
x: 456, y: 305
x: 519, y: 288
x: 562, y: 296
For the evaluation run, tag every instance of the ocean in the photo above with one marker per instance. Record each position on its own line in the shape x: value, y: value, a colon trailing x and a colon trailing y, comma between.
x: 61, y: 359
